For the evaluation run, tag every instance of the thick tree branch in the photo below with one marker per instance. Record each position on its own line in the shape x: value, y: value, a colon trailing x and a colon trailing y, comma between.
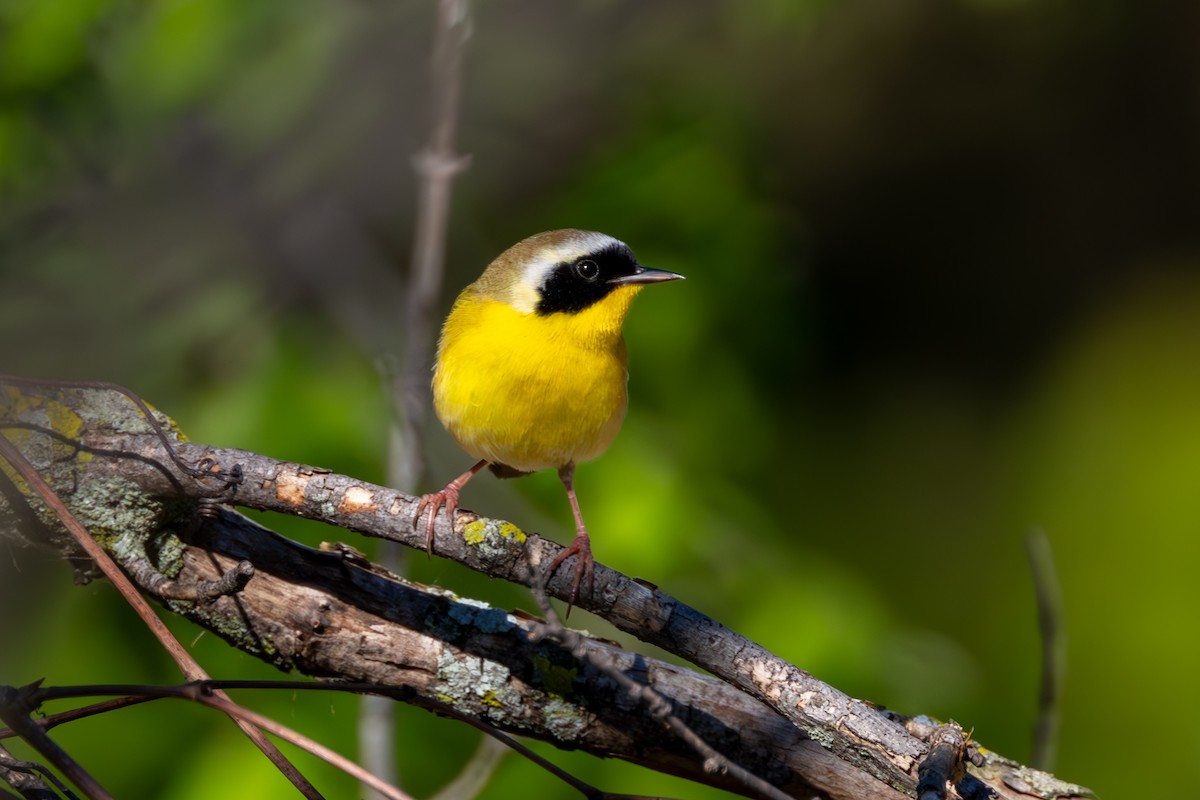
x: 37, y: 487
x: 327, y: 615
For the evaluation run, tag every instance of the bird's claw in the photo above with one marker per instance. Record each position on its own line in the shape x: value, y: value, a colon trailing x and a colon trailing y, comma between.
x: 581, y: 548
x: 447, y: 498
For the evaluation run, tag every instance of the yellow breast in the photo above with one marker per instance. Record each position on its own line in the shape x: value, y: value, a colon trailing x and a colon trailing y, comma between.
x: 532, y: 391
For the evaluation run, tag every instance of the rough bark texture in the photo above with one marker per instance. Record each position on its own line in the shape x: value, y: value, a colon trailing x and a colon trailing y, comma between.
x: 330, y: 615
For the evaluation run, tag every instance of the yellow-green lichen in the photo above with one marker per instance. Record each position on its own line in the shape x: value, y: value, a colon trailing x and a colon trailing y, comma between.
x: 18, y: 403
x: 10, y: 473
x: 169, y: 425
x: 43, y: 412
x: 510, y: 531
x: 474, y: 532
x: 63, y: 420
x: 494, y: 539
x: 48, y: 440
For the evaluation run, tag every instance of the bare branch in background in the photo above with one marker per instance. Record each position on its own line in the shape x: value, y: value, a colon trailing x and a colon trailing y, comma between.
x: 1054, y: 648
x: 436, y: 166
x: 473, y: 778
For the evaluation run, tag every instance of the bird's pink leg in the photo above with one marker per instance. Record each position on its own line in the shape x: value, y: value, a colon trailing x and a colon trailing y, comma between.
x: 581, y: 546
x: 447, y: 497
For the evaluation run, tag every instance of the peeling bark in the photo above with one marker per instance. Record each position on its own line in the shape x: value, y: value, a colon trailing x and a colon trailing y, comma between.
x: 332, y: 615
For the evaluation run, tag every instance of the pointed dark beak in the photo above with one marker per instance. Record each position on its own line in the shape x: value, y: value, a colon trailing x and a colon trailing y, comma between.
x: 646, y: 275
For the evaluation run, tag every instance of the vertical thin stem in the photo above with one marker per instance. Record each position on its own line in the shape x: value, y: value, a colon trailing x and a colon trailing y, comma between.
x: 1050, y: 626
x: 436, y: 166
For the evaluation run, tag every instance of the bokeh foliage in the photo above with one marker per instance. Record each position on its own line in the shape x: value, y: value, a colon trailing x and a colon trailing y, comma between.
x: 943, y: 287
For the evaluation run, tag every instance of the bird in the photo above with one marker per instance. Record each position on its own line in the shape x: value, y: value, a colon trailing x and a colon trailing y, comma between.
x: 531, y: 368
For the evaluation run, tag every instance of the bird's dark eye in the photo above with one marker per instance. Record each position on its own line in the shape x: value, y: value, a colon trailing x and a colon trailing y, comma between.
x: 587, y: 269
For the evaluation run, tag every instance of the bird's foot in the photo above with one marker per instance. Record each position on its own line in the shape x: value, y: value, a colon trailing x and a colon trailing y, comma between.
x: 581, y: 548
x: 447, y: 498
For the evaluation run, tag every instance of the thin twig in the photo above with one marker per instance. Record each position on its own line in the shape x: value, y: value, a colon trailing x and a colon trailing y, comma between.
x: 201, y: 471
x: 473, y: 778
x: 660, y: 708
x: 189, y: 666
x: 848, y: 729
x: 209, y: 693
x: 51, y: 721
x: 128, y: 694
x: 15, y: 712
x: 874, y: 743
x: 30, y: 779
x: 1050, y: 627
x: 436, y: 167
x: 363, y: 776
x: 586, y: 789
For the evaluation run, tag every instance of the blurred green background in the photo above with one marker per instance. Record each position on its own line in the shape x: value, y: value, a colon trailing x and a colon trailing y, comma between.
x: 943, y: 287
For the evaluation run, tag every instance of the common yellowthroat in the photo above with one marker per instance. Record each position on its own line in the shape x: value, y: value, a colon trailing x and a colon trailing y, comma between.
x: 531, y: 366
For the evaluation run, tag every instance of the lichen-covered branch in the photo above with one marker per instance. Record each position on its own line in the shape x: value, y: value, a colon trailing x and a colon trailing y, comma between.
x: 328, y: 615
